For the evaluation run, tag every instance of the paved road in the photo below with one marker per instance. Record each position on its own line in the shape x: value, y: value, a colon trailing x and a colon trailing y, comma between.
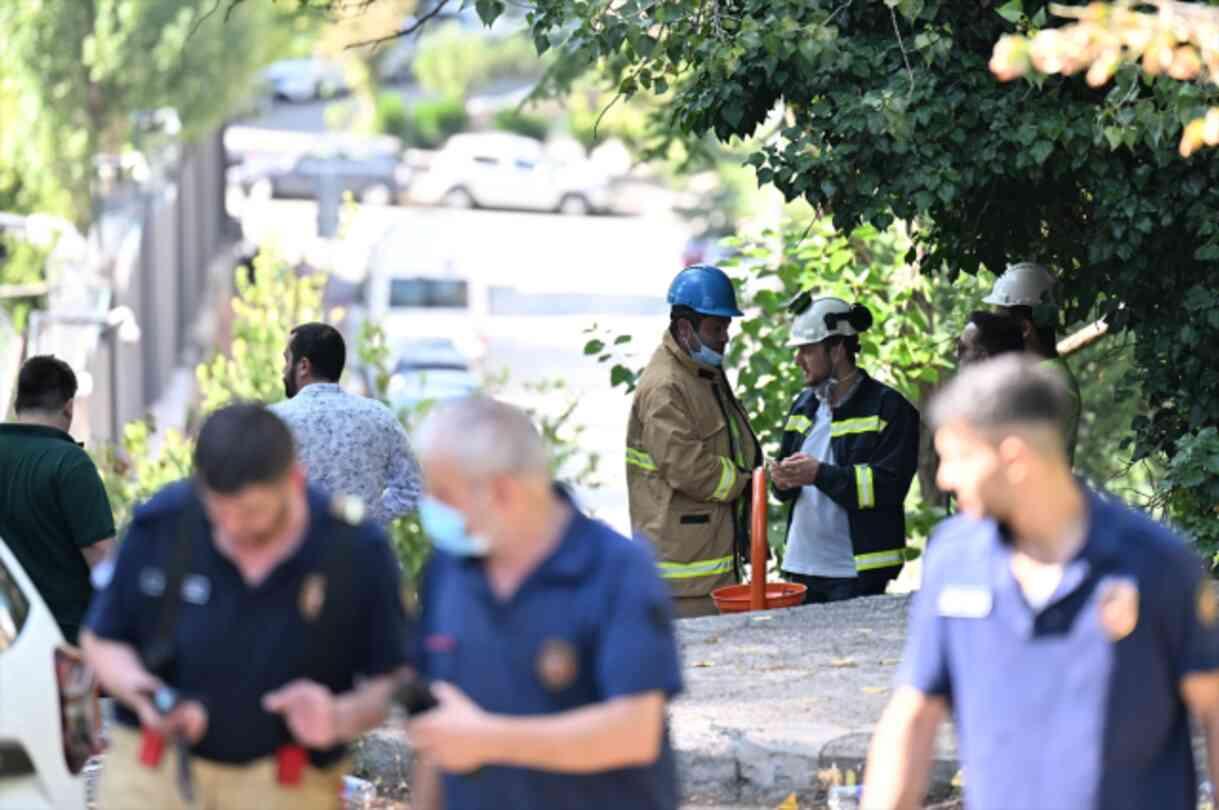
x: 555, y: 276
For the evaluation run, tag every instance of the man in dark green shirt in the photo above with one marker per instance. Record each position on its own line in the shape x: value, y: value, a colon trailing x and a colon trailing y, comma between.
x: 54, y: 513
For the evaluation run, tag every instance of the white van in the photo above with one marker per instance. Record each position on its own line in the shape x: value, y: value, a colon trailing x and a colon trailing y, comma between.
x: 417, y: 293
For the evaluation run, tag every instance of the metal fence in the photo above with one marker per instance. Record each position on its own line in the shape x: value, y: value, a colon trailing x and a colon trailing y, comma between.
x: 158, y: 244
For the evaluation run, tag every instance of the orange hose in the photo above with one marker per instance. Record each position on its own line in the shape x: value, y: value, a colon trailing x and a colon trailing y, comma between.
x: 758, y: 542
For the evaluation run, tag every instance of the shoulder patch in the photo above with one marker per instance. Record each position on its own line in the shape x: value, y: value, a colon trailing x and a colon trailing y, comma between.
x: 1208, y: 611
x: 349, y: 509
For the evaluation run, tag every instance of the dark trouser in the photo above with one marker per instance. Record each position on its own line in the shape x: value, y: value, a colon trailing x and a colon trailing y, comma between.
x: 840, y: 589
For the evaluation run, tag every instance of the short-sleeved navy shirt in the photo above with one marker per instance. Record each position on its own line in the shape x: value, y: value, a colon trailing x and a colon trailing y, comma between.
x: 592, y: 623
x: 235, y: 642
x: 1077, y: 705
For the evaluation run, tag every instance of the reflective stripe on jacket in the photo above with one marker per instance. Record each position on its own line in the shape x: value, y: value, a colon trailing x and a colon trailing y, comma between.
x: 875, y: 437
x: 689, y: 459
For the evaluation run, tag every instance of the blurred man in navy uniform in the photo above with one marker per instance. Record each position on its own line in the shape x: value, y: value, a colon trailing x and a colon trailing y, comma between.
x: 548, y: 636
x: 259, y: 602
x: 1070, y: 637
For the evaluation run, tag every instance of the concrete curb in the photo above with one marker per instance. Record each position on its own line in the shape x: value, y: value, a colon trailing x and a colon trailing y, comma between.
x: 724, y: 770
x: 776, y: 703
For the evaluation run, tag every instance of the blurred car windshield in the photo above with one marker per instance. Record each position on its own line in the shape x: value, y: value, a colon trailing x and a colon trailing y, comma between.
x: 429, y: 292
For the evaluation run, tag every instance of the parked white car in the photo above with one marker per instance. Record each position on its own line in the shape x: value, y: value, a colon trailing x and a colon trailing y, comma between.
x: 50, y: 719
x: 304, y: 79
x: 502, y: 170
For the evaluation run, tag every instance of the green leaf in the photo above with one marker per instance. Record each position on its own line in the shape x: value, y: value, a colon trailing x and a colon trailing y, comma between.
x: 489, y: 10
x: 1011, y: 11
x: 618, y: 341
x: 1041, y: 150
x: 733, y: 113
x: 594, y: 347
x: 621, y: 375
x: 911, y: 9
x: 1114, y: 136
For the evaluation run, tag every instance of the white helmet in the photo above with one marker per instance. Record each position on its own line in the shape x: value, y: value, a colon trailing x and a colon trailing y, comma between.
x: 812, y: 324
x: 1026, y: 284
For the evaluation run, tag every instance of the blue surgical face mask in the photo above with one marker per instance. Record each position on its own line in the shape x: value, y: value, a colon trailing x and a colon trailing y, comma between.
x: 447, y: 528
x: 708, y: 357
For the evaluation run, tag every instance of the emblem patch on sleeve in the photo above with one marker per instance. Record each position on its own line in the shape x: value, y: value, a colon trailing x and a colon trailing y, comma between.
x: 1119, y: 608
x: 1208, y: 611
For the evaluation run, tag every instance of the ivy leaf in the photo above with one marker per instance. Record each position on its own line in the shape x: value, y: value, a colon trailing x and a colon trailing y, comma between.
x: 1041, y: 150
x: 594, y: 347
x: 618, y: 341
x: 734, y: 113
x: 1011, y: 11
x: 911, y: 9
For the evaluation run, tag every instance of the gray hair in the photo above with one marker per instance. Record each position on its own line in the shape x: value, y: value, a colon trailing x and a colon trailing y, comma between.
x: 1014, y: 389
x: 484, y: 436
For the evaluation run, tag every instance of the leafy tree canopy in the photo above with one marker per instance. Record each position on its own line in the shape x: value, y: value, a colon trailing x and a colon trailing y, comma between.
x: 75, y: 75
x: 890, y: 112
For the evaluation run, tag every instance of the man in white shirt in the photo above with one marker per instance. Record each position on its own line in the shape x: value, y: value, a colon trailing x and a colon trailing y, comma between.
x: 349, y: 445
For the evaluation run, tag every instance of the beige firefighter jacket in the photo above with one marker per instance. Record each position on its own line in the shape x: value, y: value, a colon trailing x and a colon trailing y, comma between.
x: 690, y: 453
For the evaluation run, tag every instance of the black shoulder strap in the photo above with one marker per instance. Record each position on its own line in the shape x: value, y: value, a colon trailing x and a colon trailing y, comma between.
x: 159, y: 650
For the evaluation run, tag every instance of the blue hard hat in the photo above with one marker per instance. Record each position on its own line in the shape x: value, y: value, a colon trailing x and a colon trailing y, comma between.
x: 705, y: 289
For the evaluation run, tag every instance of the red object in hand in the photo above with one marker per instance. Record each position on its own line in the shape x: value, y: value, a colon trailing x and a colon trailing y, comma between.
x: 152, y: 746
x: 290, y: 764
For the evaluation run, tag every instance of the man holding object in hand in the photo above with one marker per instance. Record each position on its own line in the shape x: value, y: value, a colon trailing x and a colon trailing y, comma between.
x: 271, y: 610
x: 848, y: 455
x: 548, y: 637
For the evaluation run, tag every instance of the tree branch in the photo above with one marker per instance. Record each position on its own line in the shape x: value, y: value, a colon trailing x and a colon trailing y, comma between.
x: 901, y: 44
x: 604, y: 110
x: 233, y: 4
x: 203, y: 19
x: 405, y: 32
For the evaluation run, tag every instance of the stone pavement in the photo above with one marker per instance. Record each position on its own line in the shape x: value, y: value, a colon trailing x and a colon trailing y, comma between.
x: 774, y: 703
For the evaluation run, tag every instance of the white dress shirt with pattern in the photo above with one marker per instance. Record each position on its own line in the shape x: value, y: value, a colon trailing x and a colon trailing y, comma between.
x: 353, y: 445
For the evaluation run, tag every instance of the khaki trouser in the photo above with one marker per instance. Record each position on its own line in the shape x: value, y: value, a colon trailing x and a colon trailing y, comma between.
x: 692, y: 607
x: 127, y: 784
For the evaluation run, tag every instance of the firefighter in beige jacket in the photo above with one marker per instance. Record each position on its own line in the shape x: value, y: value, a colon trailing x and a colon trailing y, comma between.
x: 690, y: 450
